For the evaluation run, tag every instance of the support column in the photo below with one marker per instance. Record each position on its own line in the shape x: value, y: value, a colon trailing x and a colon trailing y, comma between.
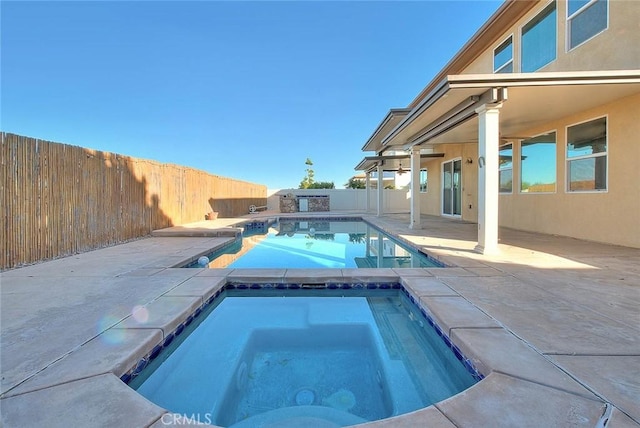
x: 367, y: 186
x: 380, y: 250
x: 367, y: 251
x: 415, y: 188
x: 488, y: 177
x: 380, y: 190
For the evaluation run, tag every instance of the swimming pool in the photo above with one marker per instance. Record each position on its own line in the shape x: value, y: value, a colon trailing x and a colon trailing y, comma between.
x: 274, y: 355
x: 316, y: 243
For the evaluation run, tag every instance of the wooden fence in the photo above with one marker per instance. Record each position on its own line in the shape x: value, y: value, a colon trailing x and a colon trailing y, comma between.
x: 59, y: 199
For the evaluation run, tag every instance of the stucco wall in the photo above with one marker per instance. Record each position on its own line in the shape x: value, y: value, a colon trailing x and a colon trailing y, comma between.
x: 616, y: 48
x: 608, y: 216
x: 431, y: 201
x: 612, y: 216
x: 395, y: 200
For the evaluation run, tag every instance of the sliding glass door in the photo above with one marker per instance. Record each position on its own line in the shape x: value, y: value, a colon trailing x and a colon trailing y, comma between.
x: 452, y: 187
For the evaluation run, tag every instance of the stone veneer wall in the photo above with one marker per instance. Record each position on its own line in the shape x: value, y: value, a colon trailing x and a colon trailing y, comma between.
x: 289, y: 203
x: 317, y: 204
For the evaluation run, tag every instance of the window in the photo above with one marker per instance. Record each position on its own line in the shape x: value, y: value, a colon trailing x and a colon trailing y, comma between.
x: 538, y: 164
x: 423, y: 180
x: 539, y: 40
x: 503, y: 57
x: 506, y: 168
x: 585, y: 19
x: 587, y: 156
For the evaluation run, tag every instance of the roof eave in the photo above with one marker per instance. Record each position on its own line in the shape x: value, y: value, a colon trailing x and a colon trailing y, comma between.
x: 485, y: 83
x: 373, y: 144
x: 509, y: 12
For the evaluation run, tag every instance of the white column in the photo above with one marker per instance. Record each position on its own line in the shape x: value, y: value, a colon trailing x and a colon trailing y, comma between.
x: 488, y: 176
x: 380, y: 190
x: 367, y: 186
x: 415, y: 188
x: 380, y: 250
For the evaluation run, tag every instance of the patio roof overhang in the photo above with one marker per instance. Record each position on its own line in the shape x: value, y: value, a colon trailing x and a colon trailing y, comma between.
x: 447, y: 114
x: 391, y: 162
x: 390, y: 121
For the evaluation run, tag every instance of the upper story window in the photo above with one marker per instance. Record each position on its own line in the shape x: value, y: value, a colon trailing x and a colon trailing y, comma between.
x: 503, y: 57
x: 585, y: 19
x: 506, y: 168
x: 587, y: 156
x: 538, y: 164
x: 423, y: 180
x: 539, y: 39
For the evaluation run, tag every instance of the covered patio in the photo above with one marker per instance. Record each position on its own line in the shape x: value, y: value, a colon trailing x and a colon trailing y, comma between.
x: 486, y: 110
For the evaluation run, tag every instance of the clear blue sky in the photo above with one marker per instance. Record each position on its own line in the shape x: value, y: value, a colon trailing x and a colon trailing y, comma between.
x: 246, y: 90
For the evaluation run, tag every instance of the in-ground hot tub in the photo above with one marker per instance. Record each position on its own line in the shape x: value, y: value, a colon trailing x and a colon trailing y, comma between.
x: 363, y: 356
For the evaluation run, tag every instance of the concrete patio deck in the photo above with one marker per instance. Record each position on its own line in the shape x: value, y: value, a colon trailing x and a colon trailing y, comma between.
x: 553, y: 323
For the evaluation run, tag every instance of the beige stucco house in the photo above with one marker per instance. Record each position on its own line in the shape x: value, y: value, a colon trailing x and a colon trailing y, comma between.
x: 533, y: 125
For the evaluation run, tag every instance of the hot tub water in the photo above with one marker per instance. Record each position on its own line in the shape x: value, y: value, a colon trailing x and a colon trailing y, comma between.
x: 341, y: 360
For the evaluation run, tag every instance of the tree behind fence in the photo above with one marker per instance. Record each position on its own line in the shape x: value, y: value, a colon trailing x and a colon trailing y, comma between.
x: 59, y: 199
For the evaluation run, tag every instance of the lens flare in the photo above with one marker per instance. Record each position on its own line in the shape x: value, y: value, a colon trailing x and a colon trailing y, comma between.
x: 140, y: 314
x: 107, y: 334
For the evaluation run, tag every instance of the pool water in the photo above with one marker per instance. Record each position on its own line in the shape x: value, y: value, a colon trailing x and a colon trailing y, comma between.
x: 274, y: 357
x: 332, y: 366
x: 318, y: 244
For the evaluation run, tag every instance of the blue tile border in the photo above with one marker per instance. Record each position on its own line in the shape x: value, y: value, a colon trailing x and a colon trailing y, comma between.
x: 468, y: 364
x: 155, y: 352
x: 324, y: 218
x: 255, y: 225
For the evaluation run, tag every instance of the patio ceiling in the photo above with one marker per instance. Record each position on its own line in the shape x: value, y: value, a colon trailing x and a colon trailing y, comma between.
x: 447, y: 113
x: 391, y: 163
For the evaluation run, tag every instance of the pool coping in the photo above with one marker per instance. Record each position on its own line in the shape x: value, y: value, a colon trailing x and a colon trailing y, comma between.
x: 175, y: 307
